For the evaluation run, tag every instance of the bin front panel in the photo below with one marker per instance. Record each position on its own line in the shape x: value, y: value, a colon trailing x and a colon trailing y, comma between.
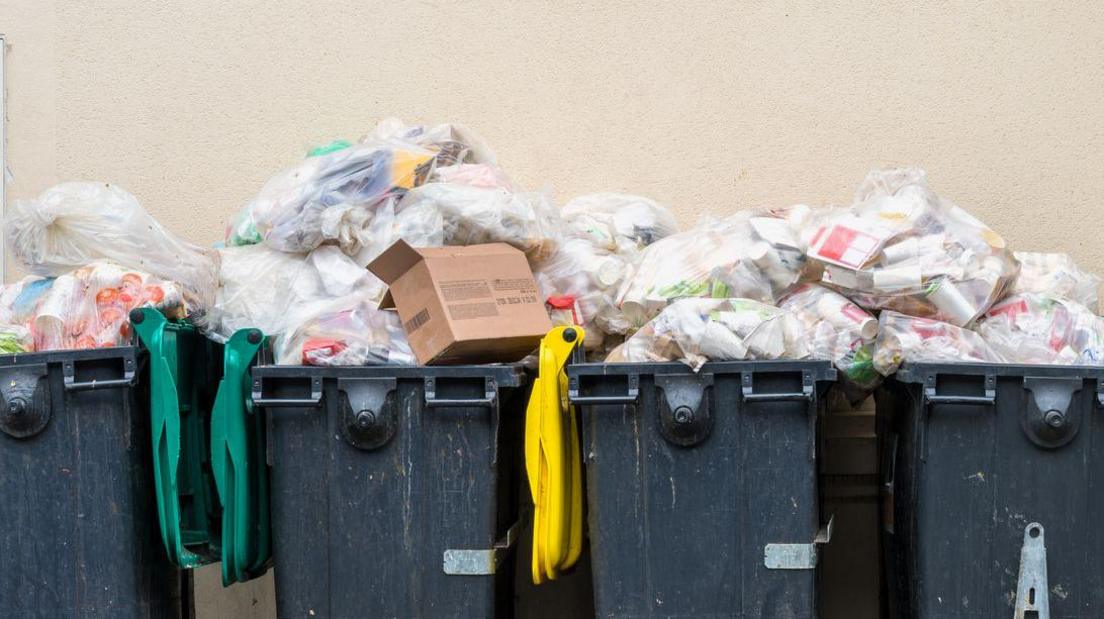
x: 77, y: 498
x: 679, y: 523
x: 362, y: 531
x: 969, y: 477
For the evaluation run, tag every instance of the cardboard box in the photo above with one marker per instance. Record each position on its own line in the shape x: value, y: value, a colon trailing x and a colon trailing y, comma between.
x: 473, y: 304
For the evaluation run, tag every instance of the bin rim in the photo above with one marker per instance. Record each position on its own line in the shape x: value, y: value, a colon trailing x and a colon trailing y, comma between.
x: 62, y: 356
x: 919, y: 372
x: 824, y: 370
x: 506, y: 375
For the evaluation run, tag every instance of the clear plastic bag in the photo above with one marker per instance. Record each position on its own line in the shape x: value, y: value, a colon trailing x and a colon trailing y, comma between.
x: 695, y: 330
x: 72, y: 225
x: 348, y: 332
x: 86, y: 308
x: 1057, y: 275
x: 605, y: 234
x: 752, y: 254
x: 620, y: 223
x: 903, y: 248
x: 1039, y: 329
x: 838, y: 330
x: 465, y: 215
x: 331, y: 197
x: 904, y: 338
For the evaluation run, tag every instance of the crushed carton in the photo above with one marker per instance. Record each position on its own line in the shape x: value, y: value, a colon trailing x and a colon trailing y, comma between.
x: 473, y: 304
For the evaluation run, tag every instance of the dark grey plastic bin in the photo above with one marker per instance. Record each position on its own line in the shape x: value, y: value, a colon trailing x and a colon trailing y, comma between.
x: 395, y: 490
x: 993, y: 473
x: 76, y: 491
x: 702, y: 487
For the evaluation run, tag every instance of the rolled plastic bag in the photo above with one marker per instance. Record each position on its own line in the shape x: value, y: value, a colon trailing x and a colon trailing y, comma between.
x: 74, y: 224
x: 903, y: 248
x: 695, y: 331
x: 752, y: 255
x: 466, y: 215
x: 838, y: 330
x: 904, y: 338
x: 1039, y: 329
x: 1057, y: 275
x: 348, y: 332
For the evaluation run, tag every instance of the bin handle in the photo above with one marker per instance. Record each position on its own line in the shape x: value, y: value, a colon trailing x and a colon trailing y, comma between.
x: 807, y: 393
x: 314, y: 401
x: 988, y: 398
x: 631, y: 396
x: 72, y: 384
x: 489, y: 399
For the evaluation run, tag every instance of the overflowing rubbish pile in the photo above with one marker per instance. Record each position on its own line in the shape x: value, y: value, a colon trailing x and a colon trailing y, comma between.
x: 901, y: 275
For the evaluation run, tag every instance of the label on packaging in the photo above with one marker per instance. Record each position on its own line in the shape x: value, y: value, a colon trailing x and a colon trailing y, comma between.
x: 849, y: 242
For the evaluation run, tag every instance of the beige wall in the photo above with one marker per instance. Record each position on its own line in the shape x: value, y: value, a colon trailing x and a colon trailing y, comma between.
x: 708, y: 106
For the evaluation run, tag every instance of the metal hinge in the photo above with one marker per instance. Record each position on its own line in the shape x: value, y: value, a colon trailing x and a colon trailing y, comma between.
x: 481, y: 562
x: 798, y: 556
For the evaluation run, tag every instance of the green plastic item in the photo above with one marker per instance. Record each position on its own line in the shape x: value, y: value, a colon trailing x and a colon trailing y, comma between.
x: 326, y: 149
x: 210, y: 474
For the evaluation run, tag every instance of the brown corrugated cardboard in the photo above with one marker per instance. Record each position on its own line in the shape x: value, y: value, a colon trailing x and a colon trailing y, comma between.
x: 473, y: 304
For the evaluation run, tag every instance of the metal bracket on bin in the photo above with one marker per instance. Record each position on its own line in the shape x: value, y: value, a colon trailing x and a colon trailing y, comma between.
x: 1049, y: 419
x: 368, y: 416
x: 481, y: 562
x: 26, y: 400
x: 1032, y: 590
x: 685, y: 417
x: 798, y: 556
x: 68, y: 374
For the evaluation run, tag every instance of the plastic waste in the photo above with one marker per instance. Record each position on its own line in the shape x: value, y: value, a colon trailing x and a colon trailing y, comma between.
x: 754, y: 255
x: 465, y: 215
x: 348, y: 332
x: 1057, y: 275
x: 838, y: 330
x: 1039, y: 329
x: 621, y: 223
x: 86, y: 308
x: 903, y: 248
x: 331, y: 196
x: 904, y: 338
x: 695, y: 330
x: 72, y: 225
x: 605, y: 233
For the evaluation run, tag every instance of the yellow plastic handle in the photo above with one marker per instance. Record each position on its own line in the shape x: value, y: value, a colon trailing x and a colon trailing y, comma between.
x: 553, y: 460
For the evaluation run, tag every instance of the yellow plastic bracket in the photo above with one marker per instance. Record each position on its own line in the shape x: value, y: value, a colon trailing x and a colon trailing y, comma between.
x: 553, y: 460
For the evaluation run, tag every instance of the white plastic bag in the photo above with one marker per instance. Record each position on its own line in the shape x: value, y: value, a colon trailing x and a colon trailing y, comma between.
x: 621, y: 223
x: 1038, y: 329
x: 75, y: 224
x: 904, y: 338
x: 694, y: 331
x: 1057, y: 275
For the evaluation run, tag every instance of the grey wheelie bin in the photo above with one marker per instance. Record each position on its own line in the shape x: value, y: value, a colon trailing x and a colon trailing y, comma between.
x: 394, y: 490
x: 76, y: 490
x: 993, y: 490
x: 702, y: 486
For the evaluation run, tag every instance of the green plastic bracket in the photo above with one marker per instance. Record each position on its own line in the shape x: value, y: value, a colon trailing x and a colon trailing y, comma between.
x: 185, y: 502
x: 238, y: 464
